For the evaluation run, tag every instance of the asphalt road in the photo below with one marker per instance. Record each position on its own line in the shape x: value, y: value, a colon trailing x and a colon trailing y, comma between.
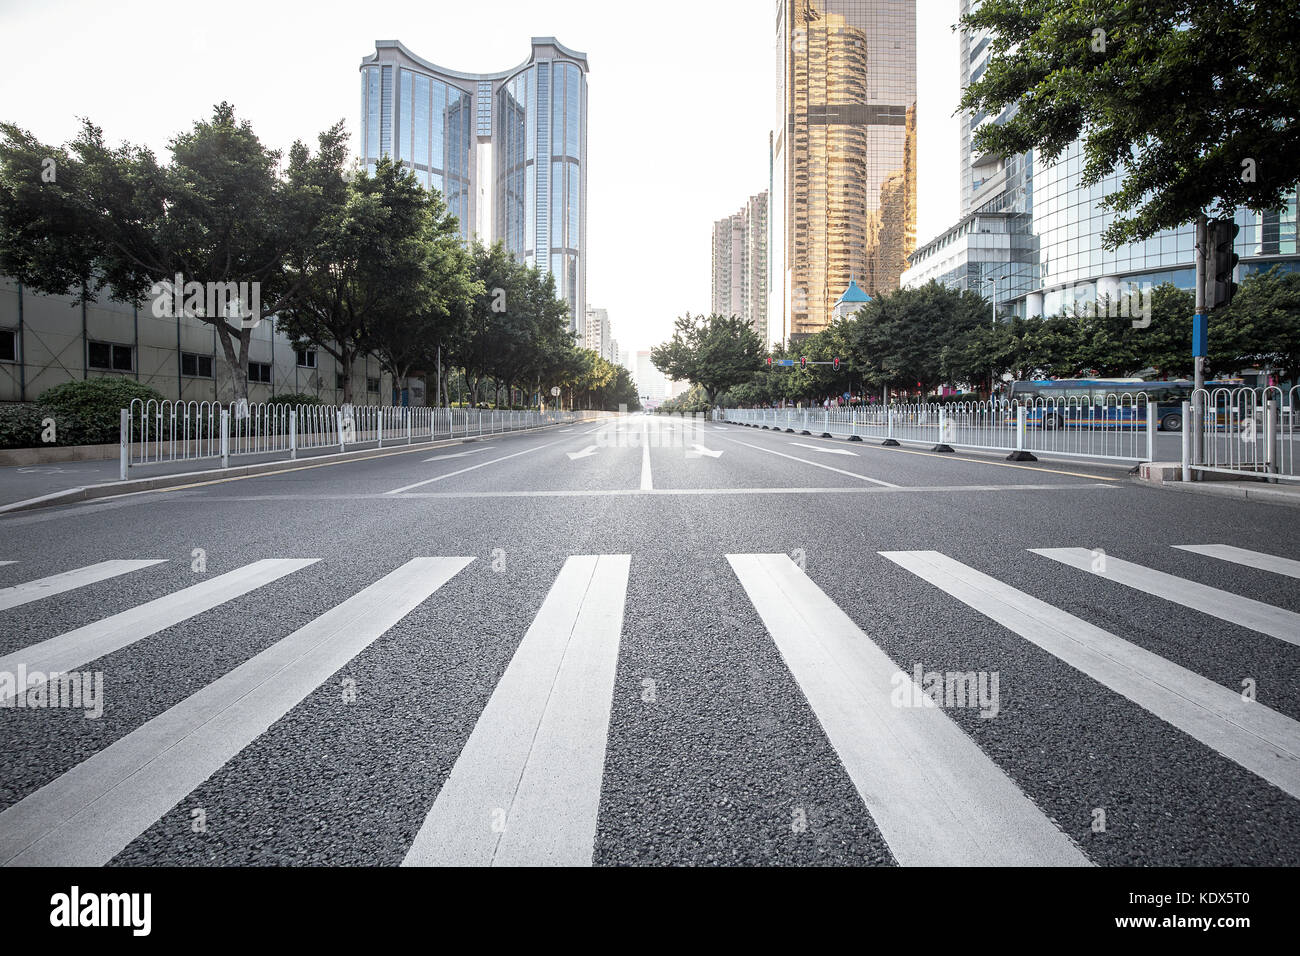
x: 544, y: 699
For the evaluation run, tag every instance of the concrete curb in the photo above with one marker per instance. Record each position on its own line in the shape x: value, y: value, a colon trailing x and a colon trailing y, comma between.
x: 117, y: 489
x: 1255, y: 491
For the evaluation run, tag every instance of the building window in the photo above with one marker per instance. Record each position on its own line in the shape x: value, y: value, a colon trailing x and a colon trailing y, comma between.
x: 306, y: 358
x: 372, y: 385
x: 196, y: 366
x: 259, y: 372
x: 113, y: 358
x: 8, y: 345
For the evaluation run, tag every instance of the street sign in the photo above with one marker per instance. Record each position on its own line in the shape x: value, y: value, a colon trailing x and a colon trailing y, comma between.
x: 555, y: 392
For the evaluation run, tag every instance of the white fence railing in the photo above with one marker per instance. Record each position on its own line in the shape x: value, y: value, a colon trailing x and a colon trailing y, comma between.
x: 1246, y: 431
x: 154, y: 432
x: 1125, y: 428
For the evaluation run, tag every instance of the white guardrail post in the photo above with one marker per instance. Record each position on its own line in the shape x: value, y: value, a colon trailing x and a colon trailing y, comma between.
x: 293, y: 434
x: 126, y: 443
x: 338, y: 420
x: 225, y: 438
x: 1270, y: 438
x: 1021, y: 416
x: 1152, y: 423
x: 409, y: 415
x: 1187, y: 441
x: 381, y: 427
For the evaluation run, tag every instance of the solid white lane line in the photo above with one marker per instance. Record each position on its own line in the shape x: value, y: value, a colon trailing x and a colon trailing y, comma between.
x: 70, y: 650
x: 815, y: 464
x: 1250, y: 559
x: 453, y: 474
x: 89, y: 814
x: 647, y: 482
x: 4, y: 563
x: 525, y: 790
x: 1255, y: 615
x: 1262, y: 740
x: 937, y: 798
x: 824, y: 450
x: 68, y: 581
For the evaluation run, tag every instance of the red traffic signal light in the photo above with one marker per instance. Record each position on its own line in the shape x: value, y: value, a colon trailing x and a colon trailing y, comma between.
x: 769, y: 361
x: 803, y: 362
x: 837, y: 365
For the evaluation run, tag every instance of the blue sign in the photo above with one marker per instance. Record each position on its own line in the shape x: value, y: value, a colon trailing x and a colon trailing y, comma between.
x: 1200, y: 336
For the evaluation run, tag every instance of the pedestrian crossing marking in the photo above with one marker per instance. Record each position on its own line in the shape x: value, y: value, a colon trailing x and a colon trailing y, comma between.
x: 525, y: 790
x: 70, y: 650
x: 89, y: 814
x: 1262, y: 740
x: 1250, y: 559
x: 937, y: 798
x: 41, y: 588
x: 1233, y: 608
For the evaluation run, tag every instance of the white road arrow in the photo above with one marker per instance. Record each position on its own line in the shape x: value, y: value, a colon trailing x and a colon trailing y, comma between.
x: 704, y: 451
x: 462, y: 454
x: 585, y: 453
x: 827, y: 451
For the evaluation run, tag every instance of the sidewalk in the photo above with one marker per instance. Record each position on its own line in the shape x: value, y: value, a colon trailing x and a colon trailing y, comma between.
x: 1279, y: 493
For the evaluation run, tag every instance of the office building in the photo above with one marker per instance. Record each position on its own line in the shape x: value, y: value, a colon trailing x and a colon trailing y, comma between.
x: 507, y: 150
x: 843, y: 155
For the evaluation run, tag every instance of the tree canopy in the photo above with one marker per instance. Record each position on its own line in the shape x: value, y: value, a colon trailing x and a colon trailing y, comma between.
x: 1195, y: 101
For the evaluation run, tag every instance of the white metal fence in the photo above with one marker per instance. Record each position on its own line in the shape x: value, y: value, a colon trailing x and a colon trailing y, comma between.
x: 1125, y: 428
x: 1246, y: 431
x: 154, y: 432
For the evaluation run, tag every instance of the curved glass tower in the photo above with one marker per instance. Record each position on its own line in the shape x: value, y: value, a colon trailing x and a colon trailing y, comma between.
x: 507, y: 150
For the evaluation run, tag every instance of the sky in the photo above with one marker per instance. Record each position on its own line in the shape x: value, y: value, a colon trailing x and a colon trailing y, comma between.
x: 682, y: 97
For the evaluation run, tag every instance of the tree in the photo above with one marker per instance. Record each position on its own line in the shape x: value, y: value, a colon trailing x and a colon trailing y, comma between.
x: 113, y: 221
x: 715, y: 353
x: 1261, y: 327
x: 1195, y: 101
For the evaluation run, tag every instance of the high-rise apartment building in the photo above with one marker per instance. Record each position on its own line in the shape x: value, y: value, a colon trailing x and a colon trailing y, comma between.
x: 740, y: 265
x: 596, y: 333
x: 843, y: 205
x: 507, y: 150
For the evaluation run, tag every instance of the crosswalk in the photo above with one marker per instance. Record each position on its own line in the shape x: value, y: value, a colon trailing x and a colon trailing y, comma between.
x: 526, y: 788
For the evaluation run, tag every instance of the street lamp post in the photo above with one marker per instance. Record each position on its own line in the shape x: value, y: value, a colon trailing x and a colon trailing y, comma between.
x: 994, y: 298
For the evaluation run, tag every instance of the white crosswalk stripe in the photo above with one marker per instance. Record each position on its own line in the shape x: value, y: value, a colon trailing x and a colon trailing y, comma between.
x: 69, y: 651
x: 41, y: 588
x: 1233, y: 608
x: 1261, y: 740
x: 935, y: 795
x: 6, y: 563
x: 89, y: 814
x: 525, y: 791
x: 1249, y: 559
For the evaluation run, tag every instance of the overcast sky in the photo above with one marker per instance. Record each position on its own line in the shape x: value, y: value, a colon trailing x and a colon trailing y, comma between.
x: 682, y: 97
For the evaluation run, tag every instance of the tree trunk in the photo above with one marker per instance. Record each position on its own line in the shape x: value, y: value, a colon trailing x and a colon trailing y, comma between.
x: 238, y: 363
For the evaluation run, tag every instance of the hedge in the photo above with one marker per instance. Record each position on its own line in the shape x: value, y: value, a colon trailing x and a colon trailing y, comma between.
x: 83, y: 413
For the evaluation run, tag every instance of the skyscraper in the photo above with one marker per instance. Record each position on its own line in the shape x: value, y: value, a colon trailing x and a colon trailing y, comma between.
x: 740, y: 264
x: 843, y: 204
x: 507, y: 150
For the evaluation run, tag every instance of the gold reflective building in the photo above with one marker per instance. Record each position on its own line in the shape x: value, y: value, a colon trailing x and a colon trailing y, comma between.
x: 843, y: 155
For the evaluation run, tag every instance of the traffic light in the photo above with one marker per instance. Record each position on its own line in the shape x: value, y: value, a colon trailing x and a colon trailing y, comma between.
x: 769, y: 361
x: 803, y: 362
x: 837, y: 365
x: 1222, y: 264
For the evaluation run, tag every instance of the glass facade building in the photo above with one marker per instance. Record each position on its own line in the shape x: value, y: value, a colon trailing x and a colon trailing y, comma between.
x: 508, y: 151
x: 844, y: 155
x: 1030, y: 234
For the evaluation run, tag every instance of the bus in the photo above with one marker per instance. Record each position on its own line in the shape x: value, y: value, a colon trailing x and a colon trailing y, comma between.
x: 1105, y: 402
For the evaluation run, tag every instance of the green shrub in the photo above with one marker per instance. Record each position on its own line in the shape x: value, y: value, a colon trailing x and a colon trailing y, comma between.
x: 89, y: 412
x: 20, y: 424
x: 295, y: 398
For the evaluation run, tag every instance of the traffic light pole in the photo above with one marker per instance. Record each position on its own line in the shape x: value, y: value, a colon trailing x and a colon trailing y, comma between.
x: 1198, y: 396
